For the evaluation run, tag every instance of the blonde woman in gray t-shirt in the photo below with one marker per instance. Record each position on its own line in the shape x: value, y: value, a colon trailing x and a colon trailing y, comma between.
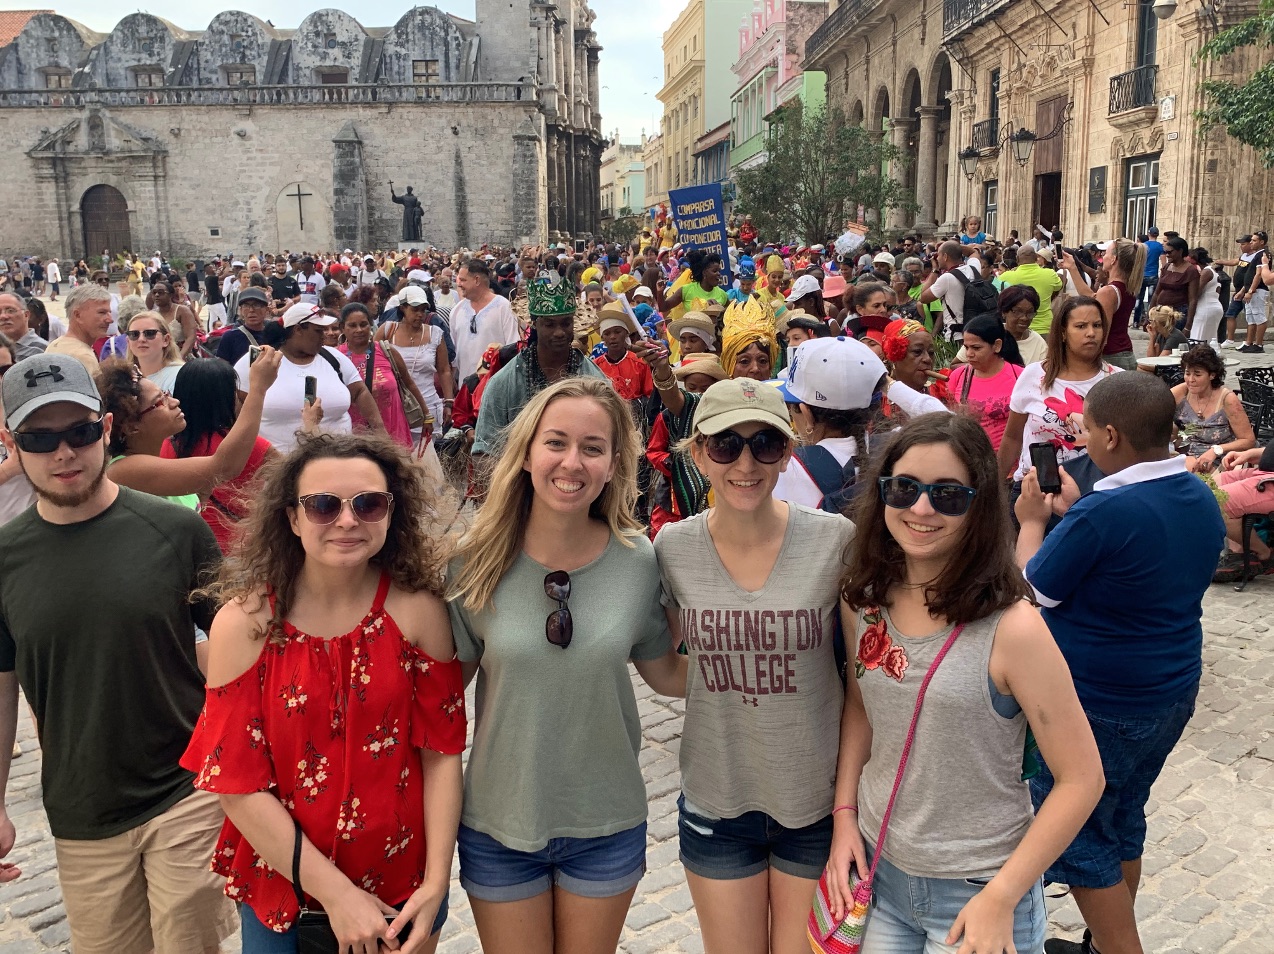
x: 554, y: 591
x: 963, y: 854
x: 752, y: 587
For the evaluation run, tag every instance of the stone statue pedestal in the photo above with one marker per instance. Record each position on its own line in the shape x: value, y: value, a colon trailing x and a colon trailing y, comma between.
x: 420, y: 245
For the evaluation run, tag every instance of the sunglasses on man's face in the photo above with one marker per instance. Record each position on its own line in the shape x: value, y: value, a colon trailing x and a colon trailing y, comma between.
x: 950, y: 500
x: 46, y: 442
x: 767, y: 446
x: 371, y: 506
x: 150, y: 334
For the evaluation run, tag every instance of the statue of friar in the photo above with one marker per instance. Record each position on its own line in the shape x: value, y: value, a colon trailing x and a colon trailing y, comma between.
x: 413, y: 214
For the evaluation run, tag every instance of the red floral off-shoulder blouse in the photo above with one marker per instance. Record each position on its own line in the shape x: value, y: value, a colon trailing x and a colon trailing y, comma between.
x: 332, y: 727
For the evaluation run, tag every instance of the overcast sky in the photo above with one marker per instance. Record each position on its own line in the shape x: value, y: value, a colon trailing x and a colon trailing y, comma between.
x: 631, y: 34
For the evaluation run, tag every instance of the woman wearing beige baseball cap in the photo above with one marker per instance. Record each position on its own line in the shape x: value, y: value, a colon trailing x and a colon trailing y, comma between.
x: 763, y: 705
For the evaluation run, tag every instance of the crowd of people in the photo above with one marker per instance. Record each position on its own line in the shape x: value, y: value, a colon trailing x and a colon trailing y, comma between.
x: 881, y: 515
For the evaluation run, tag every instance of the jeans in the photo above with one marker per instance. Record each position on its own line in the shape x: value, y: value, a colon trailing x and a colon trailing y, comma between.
x: 1147, y: 292
x: 259, y: 939
x: 726, y: 849
x: 913, y: 915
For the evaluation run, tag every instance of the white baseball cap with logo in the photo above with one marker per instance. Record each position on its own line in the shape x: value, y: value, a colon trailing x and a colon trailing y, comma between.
x: 836, y: 373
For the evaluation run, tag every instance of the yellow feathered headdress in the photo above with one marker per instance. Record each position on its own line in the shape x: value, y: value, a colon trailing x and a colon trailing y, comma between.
x: 747, y: 323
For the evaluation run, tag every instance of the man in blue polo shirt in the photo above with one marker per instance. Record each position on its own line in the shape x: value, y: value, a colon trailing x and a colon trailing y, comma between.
x: 1120, y: 582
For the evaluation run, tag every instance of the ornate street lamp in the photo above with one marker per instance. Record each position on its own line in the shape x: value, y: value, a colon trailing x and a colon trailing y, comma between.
x: 968, y: 157
x: 1022, y: 140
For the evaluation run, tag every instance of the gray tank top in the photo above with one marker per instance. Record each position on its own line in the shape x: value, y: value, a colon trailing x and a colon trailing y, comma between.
x: 963, y: 806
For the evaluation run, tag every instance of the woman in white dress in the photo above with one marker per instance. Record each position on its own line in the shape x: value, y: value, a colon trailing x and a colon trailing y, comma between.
x: 1208, y: 312
x: 421, y: 346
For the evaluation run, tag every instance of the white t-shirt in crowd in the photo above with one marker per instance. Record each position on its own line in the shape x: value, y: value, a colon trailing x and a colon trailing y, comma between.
x: 795, y: 485
x: 53, y: 273
x: 495, y: 324
x: 1053, y: 417
x: 311, y: 286
x: 951, y: 293
x: 281, y: 416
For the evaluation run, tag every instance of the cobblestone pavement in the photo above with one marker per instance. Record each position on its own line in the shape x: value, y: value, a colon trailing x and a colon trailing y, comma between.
x: 1209, y: 863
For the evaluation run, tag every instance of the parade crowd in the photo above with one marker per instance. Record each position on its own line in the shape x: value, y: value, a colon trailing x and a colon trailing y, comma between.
x: 888, y: 517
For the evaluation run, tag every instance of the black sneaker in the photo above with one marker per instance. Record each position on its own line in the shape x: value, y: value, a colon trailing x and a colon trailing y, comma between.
x: 1056, y: 945
x: 1245, y: 349
x: 1256, y: 349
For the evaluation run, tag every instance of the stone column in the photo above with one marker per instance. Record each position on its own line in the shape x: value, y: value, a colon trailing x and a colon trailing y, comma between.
x: 528, y: 211
x: 896, y: 219
x: 349, y: 192
x: 927, y: 169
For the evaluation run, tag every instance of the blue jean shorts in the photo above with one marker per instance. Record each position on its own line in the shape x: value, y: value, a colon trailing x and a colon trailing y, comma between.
x: 589, y: 867
x: 259, y: 939
x: 726, y: 849
x: 1133, y: 750
x: 912, y: 915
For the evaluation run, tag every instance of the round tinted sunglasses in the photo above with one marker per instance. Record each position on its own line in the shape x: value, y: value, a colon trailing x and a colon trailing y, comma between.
x: 951, y: 500
x: 371, y: 506
x: 767, y: 446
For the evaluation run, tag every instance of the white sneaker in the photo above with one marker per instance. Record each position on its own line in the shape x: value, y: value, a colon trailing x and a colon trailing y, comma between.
x: 1228, y: 343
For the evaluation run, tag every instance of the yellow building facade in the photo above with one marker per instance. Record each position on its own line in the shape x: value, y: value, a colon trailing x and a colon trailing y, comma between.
x: 682, y: 95
x: 1108, y: 89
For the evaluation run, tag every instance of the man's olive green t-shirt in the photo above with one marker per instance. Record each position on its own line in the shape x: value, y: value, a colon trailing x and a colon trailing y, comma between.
x: 96, y: 619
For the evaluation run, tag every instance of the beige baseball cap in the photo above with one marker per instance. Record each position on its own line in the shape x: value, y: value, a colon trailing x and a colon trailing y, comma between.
x: 741, y: 401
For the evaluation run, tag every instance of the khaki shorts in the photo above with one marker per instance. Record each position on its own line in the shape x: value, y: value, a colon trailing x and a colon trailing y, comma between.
x: 149, y: 888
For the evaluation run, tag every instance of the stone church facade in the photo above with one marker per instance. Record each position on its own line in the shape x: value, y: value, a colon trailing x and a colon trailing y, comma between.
x: 244, y: 136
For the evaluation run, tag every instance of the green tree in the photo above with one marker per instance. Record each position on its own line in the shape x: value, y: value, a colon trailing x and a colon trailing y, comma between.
x: 818, y: 170
x: 1246, y: 110
x: 622, y: 230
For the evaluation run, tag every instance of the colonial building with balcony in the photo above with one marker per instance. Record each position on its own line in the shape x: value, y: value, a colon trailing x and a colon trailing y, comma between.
x: 887, y: 69
x: 623, y: 179
x: 244, y: 136
x: 1109, y: 92
x: 768, y: 72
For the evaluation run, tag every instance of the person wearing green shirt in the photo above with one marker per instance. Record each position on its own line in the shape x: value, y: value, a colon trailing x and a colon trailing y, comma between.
x: 554, y: 590
x: 1044, y: 280
x: 705, y: 275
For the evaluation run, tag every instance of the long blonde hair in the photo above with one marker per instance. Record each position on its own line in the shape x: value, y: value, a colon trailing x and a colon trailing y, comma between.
x: 492, y: 543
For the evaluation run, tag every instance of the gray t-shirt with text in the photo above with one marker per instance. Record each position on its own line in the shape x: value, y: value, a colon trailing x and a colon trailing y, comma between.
x: 763, y: 706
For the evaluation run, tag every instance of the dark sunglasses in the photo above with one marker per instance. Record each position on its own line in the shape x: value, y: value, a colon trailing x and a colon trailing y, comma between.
x: 951, y: 500
x: 767, y: 446
x: 150, y: 334
x: 4, y: 369
x: 46, y: 442
x: 559, y: 627
x: 371, y: 506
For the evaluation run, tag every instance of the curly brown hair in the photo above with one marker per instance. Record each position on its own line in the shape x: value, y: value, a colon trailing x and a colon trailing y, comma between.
x: 981, y: 577
x: 120, y: 385
x: 266, y: 557
x: 1205, y: 359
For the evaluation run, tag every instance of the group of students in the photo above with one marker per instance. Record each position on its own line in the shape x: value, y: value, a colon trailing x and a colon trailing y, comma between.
x: 310, y: 748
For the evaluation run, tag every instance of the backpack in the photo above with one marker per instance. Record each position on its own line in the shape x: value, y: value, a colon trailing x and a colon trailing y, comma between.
x: 834, y: 482
x: 980, y: 295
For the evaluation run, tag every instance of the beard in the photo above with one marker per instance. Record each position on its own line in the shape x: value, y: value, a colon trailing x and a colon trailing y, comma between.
x: 59, y: 499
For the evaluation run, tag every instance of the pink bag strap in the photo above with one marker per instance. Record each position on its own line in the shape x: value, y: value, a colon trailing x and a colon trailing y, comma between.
x: 906, y: 750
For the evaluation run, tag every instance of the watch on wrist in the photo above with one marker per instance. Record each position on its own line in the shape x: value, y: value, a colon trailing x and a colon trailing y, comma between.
x: 1218, y: 450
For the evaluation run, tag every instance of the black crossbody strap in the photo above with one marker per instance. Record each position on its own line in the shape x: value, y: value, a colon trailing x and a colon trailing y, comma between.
x: 296, y: 867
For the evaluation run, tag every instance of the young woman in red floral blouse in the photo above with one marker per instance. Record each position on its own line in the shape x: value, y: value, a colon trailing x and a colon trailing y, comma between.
x: 335, y: 703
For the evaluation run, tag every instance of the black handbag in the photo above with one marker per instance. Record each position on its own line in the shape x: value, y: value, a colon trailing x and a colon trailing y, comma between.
x: 314, y: 934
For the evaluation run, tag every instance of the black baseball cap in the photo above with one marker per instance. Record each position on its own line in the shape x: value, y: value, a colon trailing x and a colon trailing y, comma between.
x: 1242, y: 239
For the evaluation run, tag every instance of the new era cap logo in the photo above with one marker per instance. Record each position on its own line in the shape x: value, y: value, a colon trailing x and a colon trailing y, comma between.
x: 819, y: 395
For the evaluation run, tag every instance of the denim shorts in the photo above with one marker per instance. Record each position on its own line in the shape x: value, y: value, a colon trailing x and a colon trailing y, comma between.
x: 259, y: 939
x: 913, y: 915
x: 589, y: 867
x: 1133, y: 750
x: 726, y: 849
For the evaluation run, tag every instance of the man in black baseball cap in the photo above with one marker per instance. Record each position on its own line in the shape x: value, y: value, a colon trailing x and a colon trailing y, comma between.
x: 254, y: 311
x: 97, y: 626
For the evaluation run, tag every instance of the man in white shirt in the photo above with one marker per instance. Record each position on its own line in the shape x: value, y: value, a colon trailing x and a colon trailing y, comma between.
x: 370, y: 273
x: 54, y: 276
x: 943, y: 285
x: 310, y: 282
x: 480, y: 319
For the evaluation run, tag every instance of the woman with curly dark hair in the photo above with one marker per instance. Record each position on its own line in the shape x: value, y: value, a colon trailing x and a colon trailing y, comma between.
x: 1210, y: 418
x: 705, y: 282
x: 332, y: 731
x: 143, y: 417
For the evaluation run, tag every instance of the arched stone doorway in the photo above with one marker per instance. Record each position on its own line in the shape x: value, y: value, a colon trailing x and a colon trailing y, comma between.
x: 104, y: 213
x: 304, y: 220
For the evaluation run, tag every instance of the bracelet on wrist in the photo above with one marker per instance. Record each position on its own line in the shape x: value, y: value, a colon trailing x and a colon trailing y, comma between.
x: 845, y: 808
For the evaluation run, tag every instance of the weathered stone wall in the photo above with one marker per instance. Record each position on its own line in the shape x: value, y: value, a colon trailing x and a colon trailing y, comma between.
x: 233, y: 38
x: 424, y: 33
x: 48, y: 41
x: 225, y: 167
x: 138, y: 41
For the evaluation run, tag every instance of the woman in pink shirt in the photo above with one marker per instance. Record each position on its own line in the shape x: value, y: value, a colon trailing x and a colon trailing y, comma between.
x: 985, y: 384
